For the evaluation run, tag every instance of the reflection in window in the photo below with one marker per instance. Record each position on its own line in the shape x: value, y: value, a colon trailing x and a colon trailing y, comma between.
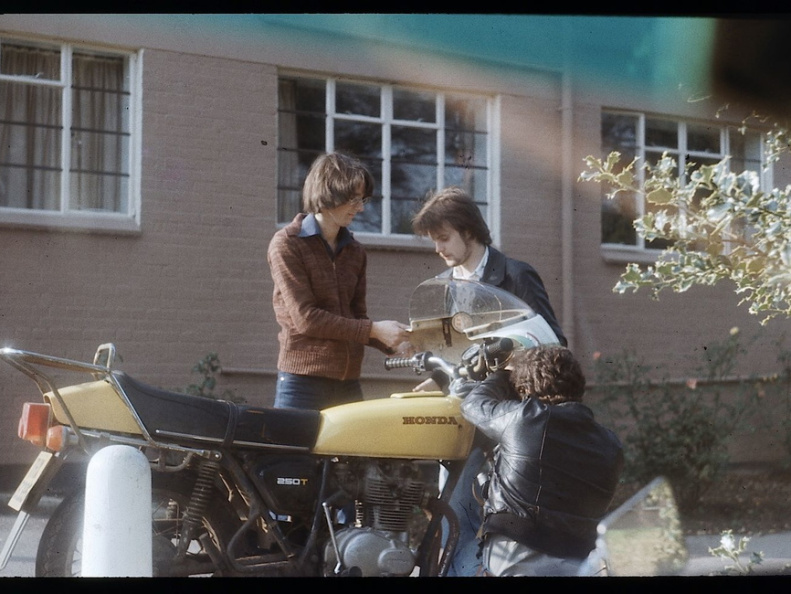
x: 413, y: 141
x: 690, y: 144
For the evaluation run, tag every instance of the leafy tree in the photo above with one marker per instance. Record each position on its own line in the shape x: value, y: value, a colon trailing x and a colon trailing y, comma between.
x: 717, y: 224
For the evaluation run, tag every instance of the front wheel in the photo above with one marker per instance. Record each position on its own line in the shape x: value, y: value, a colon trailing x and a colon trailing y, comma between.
x: 59, y: 551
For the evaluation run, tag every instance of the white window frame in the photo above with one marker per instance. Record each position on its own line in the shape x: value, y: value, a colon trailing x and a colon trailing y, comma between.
x: 620, y: 253
x: 386, y: 120
x: 84, y: 220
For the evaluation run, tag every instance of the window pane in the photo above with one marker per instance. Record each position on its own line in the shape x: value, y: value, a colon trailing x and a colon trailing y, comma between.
x: 467, y: 149
x: 410, y: 184
x: 94, y: 191
x: 703, y: 138
x: 465, y: 113
x: 20, y: 59
x: 292, y: 170
x: 370, y: 219
x: 617, y: 220
x: 301, y: 114
x: 360, y: 139
x: 303, y: 131
x: 358, y: 99
x: 30, y: 151
x: 302, y: 94
x: 745, y: 151
x: 100, y: 140
x: 414, y: 144
x: 619, y: 133
x: 473, y: 180
x: 414, y: 105
x: 33, y: 188
x: 661, y: 133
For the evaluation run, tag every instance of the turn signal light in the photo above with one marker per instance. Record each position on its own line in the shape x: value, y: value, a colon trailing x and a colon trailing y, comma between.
x: 34, y: 422
x: 58, y: 437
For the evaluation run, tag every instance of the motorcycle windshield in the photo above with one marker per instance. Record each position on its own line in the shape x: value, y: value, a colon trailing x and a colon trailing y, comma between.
x: 447, y: 315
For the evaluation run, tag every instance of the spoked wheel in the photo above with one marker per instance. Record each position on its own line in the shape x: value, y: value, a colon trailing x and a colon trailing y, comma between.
x: 60, y: 549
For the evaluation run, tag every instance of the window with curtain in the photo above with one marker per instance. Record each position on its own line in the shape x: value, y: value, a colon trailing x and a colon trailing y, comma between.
x: 647, y: 137
x: 65, y: 130
x: 412, y: 140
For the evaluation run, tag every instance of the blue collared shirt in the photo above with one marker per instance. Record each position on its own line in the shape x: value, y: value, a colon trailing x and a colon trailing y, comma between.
x: 310, y: 227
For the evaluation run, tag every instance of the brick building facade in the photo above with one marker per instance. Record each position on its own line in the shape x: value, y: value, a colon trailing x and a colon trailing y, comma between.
x: 189, y: 276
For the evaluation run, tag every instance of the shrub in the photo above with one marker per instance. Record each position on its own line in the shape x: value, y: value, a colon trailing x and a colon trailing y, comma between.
x: 208, y: 367
x: 678, y: 430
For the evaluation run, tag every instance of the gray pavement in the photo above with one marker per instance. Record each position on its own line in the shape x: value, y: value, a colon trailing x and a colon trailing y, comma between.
x: 776, y: 548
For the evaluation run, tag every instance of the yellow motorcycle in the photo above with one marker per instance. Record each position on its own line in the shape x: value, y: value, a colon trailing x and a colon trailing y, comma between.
x: 238, y: 490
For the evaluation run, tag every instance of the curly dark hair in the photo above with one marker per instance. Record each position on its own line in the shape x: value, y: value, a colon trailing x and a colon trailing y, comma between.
x: 550, y: 373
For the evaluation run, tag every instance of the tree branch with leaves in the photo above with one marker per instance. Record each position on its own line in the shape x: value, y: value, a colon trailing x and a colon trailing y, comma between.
x: 718, y: 224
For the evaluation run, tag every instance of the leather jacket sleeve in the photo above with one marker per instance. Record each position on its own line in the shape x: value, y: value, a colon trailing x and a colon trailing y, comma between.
x: 489, y: 404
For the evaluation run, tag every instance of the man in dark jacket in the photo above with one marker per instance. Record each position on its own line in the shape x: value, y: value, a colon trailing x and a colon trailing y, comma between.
x: 555, y: 468
x: 452, y: 220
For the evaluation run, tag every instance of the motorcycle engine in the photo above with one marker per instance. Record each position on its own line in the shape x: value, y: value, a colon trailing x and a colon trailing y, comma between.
x: 389, y: 517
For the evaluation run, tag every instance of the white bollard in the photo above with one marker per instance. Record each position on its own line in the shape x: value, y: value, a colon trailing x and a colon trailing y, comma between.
x: 116, y: 537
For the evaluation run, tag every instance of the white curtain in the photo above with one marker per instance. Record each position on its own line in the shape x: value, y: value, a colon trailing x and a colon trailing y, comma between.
x: 98, y: 148
x: 30, y: 130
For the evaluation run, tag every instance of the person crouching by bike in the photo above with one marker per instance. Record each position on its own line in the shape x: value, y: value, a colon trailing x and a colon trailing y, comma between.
x: 555, y: 469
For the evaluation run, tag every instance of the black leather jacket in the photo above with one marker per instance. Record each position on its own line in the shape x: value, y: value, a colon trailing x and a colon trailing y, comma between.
x: 555, y: 468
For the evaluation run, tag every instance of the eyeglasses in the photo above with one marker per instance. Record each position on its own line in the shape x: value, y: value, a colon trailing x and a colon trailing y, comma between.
x: 359, y: 201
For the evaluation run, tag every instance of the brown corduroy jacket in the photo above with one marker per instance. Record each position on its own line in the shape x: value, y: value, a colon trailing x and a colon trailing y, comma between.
x: 319, y: 303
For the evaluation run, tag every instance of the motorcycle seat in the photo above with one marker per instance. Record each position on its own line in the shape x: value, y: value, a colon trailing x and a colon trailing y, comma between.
x: 174, y: 416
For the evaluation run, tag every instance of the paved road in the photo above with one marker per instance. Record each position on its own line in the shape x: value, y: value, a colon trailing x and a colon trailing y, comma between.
x: 23, y: 560
x: 776, y: 548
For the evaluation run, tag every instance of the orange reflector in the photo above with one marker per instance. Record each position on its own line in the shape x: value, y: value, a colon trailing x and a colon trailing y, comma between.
x: 56, y: 437
x: 34, y: 422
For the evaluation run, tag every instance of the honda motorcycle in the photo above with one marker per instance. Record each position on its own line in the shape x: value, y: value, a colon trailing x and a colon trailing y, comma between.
x: 239, y: 490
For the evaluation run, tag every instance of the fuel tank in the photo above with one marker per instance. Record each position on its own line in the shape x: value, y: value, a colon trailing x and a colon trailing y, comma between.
x: 415, y: 425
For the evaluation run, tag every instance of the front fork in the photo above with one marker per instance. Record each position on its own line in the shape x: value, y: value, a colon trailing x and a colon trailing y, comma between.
x: 429, y: 561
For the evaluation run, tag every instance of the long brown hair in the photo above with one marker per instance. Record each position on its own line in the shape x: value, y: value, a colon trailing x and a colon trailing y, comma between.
x: 332, y: 180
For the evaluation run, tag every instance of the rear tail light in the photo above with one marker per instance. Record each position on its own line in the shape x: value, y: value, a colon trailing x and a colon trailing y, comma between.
x: 34, y: 423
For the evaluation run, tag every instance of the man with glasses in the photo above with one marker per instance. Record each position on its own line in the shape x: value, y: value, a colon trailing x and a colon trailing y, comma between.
x: 319, y: 298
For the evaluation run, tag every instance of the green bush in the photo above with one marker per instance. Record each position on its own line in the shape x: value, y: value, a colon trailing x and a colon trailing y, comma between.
x: 208, y: 367
x: 678, y: 430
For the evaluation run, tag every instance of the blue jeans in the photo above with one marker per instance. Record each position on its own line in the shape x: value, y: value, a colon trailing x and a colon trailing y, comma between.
x: 503, y: 557
x: 466, y: 562
x: 305, y: 391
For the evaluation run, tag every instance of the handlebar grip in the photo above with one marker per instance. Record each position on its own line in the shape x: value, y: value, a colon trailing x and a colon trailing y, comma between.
x: 501, y: 347
x: 399, y: 363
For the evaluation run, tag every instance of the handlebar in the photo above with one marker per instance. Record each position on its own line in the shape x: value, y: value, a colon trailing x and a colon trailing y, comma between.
x: 425, y: 361
x: 476, y: 362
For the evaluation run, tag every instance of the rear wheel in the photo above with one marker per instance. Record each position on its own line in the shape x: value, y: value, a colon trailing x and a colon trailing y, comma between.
x: 59, y: 552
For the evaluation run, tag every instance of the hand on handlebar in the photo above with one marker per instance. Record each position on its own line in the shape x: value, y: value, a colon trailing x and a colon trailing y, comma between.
x: 461, y: 387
